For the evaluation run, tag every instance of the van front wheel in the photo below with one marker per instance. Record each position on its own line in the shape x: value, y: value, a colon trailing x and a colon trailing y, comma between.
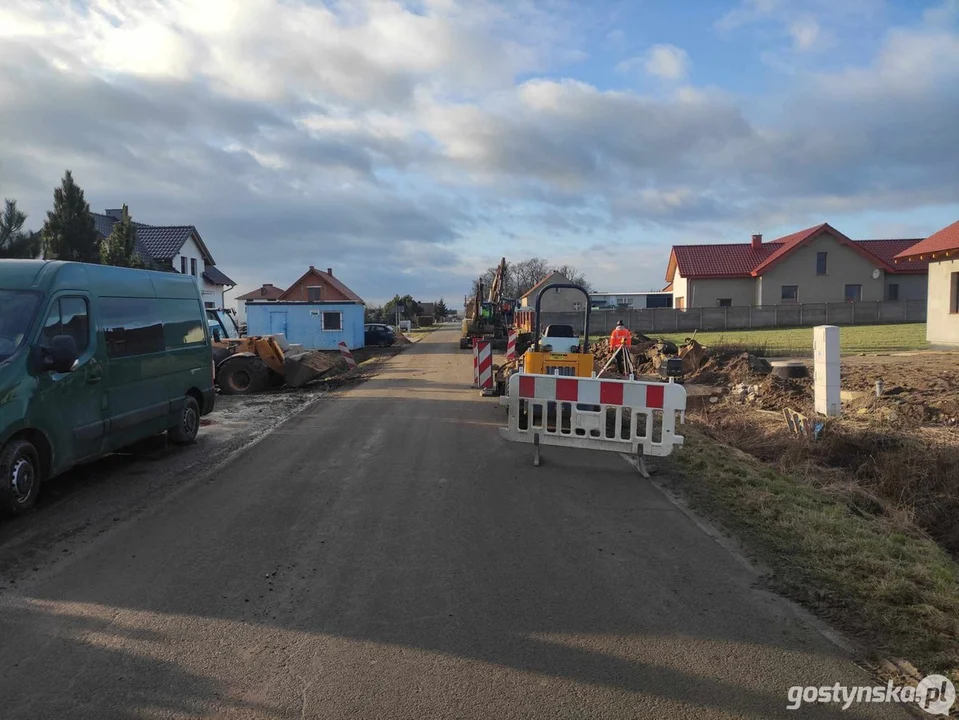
x: 20, y: 474
x: 188, y: 425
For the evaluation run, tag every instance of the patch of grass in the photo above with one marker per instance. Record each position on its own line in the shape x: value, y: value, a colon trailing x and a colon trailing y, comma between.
x: 798, y: 341
x: 895, y: 590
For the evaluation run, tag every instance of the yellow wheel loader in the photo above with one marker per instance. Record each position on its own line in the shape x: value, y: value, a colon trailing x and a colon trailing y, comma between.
x: 253, y: 364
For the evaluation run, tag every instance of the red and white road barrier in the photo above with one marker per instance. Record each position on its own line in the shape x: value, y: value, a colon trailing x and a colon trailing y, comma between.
x: 347, y: 355
x: 475, y: 365
x: 595, y: 413
x: 484, y: 364
x: 511, y: 345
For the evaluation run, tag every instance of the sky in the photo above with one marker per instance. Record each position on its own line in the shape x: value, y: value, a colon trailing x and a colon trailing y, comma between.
x: 410, y: 145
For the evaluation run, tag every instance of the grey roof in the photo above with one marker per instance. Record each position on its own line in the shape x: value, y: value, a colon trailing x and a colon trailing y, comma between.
x: 103, y: 223
x: 215, y: 276
x: 163, y: 242
x: 159, y: 242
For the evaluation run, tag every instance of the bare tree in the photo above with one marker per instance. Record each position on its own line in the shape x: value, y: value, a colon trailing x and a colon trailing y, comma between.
x: 575, y: 276
x: 522, y: 276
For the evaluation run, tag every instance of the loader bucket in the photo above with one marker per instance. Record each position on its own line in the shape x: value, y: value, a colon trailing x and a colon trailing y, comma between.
x: 301, y: 368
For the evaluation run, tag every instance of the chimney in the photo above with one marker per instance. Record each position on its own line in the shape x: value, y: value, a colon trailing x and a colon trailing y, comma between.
x: 329, y: 271
x: 757, y: 241
x: 116, y: 214
x: 312, y: 268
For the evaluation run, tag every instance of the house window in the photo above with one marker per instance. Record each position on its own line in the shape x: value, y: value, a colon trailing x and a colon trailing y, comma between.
x: 183, y: 265
x: 954, y: 293
x: 820, y: 263
x: 790, y: 293
x: 332, y: 321
x: 724, y: 302
x: 853, y: 293
x: 193, y: 267
x: 894, y: 291
x: 314, y: 293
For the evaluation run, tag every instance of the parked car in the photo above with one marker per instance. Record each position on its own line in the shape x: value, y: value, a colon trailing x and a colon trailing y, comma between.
x: 92, y: 359
x: 378, y: 335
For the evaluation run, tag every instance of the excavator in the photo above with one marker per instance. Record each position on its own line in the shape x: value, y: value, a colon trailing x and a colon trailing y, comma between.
x: 493, y: 318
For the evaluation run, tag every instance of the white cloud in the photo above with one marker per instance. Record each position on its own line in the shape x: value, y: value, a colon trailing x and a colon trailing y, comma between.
x: 805, y: 32
x: 667, y: 62
x: 296, y: 132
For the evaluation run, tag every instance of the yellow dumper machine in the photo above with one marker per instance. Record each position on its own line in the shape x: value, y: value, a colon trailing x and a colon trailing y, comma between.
x: 557, y: 351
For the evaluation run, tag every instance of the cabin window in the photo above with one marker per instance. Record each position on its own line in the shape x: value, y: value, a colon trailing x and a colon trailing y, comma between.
x: 332, y: 321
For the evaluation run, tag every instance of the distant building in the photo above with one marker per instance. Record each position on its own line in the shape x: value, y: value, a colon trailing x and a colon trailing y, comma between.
x: 318, y: 311
x: 631, y: 300
x: 941, y: 251
x: 268, y: 292
x: 556, y: 299
x: 176, y: 247
x: 815, y: 265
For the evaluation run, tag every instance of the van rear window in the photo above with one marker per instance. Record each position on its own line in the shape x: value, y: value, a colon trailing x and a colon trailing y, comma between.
x: 140, y: 326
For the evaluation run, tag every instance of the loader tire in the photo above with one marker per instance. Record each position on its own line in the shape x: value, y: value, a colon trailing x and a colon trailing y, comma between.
x: 242, y: 376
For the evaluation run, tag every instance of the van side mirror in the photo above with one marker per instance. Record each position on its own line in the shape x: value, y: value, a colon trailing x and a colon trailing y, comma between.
x: 61, y: 355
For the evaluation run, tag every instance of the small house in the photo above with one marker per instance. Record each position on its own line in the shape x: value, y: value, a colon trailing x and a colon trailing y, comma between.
x: 941, y: 251
x: 318, y: 311
x: 555, y: 299
x: 267, y: 292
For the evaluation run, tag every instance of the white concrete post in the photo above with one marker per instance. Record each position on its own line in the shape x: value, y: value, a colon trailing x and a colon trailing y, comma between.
x: 826, y: 369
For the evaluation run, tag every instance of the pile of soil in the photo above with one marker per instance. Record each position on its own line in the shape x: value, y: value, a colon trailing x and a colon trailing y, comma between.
x: 401, y: 339
x: 730, y: 369
x: 918, y: 390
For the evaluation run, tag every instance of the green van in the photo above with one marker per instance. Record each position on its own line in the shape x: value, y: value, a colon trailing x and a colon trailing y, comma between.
x: 92, y: 359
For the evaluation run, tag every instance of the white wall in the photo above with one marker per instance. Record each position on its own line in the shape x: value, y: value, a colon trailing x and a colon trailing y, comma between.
x: 942, y: 325
x: 191, y: 251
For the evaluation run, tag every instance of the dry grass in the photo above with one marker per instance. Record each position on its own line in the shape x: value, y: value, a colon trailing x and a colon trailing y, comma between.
x: 845, y: 522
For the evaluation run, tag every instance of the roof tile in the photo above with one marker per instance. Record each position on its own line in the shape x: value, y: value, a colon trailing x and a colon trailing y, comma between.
x: 743, y: 260
x: 887, y: 250
x: 942, y: 241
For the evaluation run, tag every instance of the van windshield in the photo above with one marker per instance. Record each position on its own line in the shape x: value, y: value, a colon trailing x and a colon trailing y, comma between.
x: 17, y: 308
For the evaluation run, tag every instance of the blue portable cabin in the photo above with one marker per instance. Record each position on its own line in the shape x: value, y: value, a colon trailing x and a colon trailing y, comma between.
x: 314, y: 325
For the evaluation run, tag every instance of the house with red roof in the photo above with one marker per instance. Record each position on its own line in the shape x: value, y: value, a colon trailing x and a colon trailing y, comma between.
x: 268, y: 292
x: 815, y: 265
x: 940, y: 251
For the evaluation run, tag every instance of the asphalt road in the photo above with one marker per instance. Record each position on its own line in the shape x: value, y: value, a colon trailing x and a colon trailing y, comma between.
x: 385, y: 554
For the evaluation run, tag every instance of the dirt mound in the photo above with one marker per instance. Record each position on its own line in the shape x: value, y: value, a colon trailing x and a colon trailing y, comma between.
x: 731, y: 369
x: 401, y: 339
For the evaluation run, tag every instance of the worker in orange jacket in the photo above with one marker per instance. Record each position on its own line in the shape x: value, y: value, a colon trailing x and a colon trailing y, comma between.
x: 620, y: 338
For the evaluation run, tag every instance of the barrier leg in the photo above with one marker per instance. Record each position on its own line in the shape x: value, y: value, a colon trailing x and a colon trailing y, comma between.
x: 536, y: 456
x: 641, y: 463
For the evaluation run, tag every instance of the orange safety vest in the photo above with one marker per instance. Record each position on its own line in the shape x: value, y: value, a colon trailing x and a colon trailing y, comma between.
x: 620, y: 336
